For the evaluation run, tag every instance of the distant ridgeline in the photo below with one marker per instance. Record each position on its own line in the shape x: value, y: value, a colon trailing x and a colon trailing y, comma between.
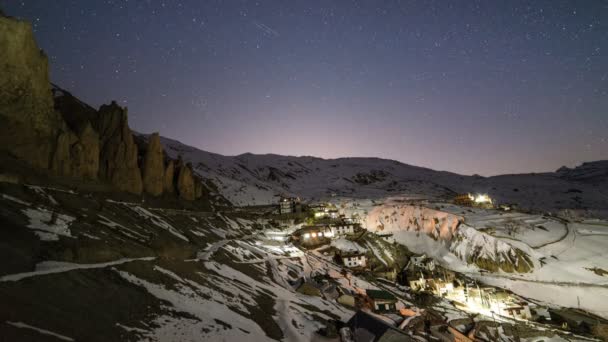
x: 50, y: 129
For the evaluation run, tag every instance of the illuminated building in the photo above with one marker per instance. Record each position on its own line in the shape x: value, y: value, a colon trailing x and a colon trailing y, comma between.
x: 289, y: 205
x: 477, y: 200
x: 313, y: 235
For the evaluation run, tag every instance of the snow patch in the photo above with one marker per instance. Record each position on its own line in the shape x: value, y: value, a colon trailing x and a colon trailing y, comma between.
x: 39, y: 330
x: 48, y: 225
x: 52, y: 267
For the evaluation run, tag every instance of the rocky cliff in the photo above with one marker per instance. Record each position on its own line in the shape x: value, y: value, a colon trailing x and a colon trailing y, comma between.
x: 185, y: 181
x: 29, y: 127
x: 50, y: 129
x: 153, y: 170
x: 118, y: 157
x: 412, y: 224
x: 168, y: 181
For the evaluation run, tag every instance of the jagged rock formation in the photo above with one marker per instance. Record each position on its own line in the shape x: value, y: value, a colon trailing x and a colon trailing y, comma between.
x: 185, y: 181
x: 168, y: 182
x: 448, y: 230
x: 50, y: 129
x: 29, y: 127
x: 118, y: 158
x: 198, y: 187
x: 60, y: 163
x: 153, y: 170
x: 488, y: 252
x: 85, y: 154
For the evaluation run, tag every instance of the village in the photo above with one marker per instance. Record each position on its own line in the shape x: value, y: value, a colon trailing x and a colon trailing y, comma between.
x: 405, y: 295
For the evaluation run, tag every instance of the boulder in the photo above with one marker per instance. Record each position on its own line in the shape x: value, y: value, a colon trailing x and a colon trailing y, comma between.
x: 185, y: 182
x: 118, y: 153
x: 168, y: 185
x: 153, y: 169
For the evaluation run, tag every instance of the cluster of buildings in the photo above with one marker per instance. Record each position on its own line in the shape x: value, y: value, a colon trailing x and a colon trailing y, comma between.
x: 331, y: 227
x: 290, y: 205
x: 489, y: 301
x: 319, y: 234
x: 477, y: 200
x: 427, y: 276
x: 325, y: 211
x: 473, y: 298
x: 346, y: 252
x: 482, y: 201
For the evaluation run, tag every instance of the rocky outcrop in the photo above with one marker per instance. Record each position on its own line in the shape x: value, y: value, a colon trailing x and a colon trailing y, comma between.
x: 118, y: 156
x: 85, y: 154
x: 61, y: 163
x: 198, y: 188
x: 185, y: 182
x: 49, y: 128
x: 488, y: 252
x: 168, y: 181
x: 29, y: 127
x: 393, y: 217
x: 153, y: 170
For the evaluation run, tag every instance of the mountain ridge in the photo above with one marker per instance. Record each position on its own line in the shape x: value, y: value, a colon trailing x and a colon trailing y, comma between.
x: 250, y: 179
x: 601, y: 162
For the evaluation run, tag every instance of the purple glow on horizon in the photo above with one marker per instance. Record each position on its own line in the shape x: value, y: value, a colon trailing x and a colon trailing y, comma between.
x: 488, y: 87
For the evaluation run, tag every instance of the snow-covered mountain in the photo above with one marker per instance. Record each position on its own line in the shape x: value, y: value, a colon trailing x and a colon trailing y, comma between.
x: 258, y: 179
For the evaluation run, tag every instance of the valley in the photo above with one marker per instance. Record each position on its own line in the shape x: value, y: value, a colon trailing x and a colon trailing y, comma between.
x: 238, y: 273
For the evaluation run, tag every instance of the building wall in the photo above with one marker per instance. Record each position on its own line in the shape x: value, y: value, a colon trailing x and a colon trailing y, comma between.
x: 344, y: 229
x: 383, y: 306
x: 286, y: 207
x: 417, y: 285
x: 355, y: 261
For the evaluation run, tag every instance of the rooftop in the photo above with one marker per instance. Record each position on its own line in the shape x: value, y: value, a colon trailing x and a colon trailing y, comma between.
x: 380, y: 294
x: 365, y: 326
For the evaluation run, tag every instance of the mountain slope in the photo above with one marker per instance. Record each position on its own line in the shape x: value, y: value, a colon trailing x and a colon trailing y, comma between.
x: 250, y: 179
x: 89, y: 268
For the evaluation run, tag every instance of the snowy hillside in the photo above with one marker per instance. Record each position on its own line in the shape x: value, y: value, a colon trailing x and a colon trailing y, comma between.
x: 98, y: 269
x: 188, y: 272
x: 257, y: 179
x: 541, y: 257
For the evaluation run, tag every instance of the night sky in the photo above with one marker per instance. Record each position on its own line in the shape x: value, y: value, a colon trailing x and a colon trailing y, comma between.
x: 485, y: 87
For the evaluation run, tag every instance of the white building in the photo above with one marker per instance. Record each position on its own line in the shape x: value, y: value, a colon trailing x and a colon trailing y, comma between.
x: 354, y: 260
x: 423, y: 262
x: 326, y: 213
x: 343, y: 229
x: 288, y: 205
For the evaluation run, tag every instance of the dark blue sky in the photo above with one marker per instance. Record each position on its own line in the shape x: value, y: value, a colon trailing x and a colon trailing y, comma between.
x: 482, y: 87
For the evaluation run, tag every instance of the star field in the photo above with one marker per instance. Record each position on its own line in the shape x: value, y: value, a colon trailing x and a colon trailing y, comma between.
x: 485, y: 87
